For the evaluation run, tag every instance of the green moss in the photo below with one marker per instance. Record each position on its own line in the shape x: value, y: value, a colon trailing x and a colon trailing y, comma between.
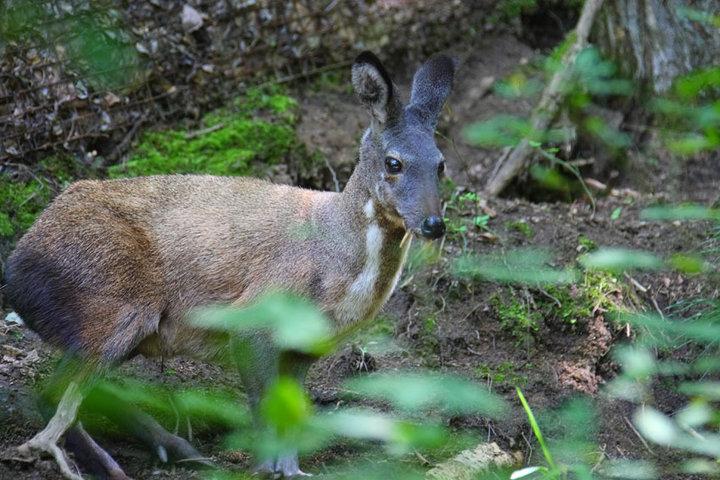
x: 569, y: 305
x: 562, y: 307
x: 517, y: 317
x: 20, y: 203
x: 430, y: 325
x: 258, y: 131
x: 522, y: 227
x: 509, y: 9
x: 504, y: 373
x: 383, y: 326
x: 585, y: 244
x: 572, y: 305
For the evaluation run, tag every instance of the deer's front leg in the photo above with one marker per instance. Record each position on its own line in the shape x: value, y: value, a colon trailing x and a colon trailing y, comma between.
x: 260, y: 364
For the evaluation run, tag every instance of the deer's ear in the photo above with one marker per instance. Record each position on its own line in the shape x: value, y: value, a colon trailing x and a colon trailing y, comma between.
x: 374, y: 87
x: 431, y: 86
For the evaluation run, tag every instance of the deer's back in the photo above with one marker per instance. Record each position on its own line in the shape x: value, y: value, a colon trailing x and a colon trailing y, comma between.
x: 110, y: 263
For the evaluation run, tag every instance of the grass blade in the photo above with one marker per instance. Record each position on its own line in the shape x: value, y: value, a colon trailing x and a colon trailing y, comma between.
x: 536, y: 429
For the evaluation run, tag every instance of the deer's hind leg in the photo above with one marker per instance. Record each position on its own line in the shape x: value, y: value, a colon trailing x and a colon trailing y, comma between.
x: 76, y: 375
x: 167, y: 446
x: 47, y: 439
x: 94, y: 459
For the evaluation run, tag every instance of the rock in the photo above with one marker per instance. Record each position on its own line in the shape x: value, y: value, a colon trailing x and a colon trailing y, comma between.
x: 468, y: 463
x: 13, y: 317
x: 191, y: 19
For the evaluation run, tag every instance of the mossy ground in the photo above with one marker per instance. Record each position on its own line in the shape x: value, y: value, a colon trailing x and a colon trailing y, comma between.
x: 25, y: 192
x: 255, y: 132
x: 522, y: 312
x: 246, y: 138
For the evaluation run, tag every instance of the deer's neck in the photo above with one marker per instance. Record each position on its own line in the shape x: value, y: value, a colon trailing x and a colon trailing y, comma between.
x: 383, y: 243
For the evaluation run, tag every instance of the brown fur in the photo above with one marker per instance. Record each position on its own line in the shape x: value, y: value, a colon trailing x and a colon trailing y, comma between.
x: 133, y: 257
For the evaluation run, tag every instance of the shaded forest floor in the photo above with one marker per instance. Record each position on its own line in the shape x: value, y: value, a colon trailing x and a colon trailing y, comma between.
x: 556, y: 348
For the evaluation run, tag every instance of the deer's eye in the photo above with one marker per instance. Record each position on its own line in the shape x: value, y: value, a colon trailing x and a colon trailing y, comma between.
x: 393, y: 165
x: 441, y: 168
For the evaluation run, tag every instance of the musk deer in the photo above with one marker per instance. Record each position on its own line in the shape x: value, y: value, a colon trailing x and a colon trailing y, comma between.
x: 111, y: 268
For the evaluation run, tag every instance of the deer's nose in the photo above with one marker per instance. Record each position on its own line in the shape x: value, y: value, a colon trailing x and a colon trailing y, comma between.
x: 432, y: 227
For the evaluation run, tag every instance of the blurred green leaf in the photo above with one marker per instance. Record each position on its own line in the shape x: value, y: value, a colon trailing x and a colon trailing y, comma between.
x: 630, y: 470
x: 549, y: 178
x: 699, y: 15
x: 699, y: 329
x: 417, y: 392
x: 693, y: 84
x: 214, y: 407
x: 680, y: 212
x: 619, y: 260
x: 688, y: 264
x: 700, y: 466
x: 655, y: 426
x: 527, y: 472
x: 286, y: 405
x: 295, y: 323
x: 707, y: 390
x: 636, y: 361
x: 611, y: 137
x: 499, y: 131
x: 528, y: 266
x: 694, y: 415
x: 518, y: 85
x: 616, y: 213
x: 400, y: 436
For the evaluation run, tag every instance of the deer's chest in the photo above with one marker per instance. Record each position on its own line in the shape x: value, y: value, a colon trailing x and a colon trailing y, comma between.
x: 372, y: 285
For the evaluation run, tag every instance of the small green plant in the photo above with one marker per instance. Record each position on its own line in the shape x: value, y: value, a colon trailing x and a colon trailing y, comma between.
x: 585, y: 244
x: 522, y: 227
x: 541, y: 440
x: 518, y: 318
x: 505, y: 373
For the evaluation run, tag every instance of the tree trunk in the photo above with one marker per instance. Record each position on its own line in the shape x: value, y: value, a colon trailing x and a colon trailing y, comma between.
x: 655, y: 41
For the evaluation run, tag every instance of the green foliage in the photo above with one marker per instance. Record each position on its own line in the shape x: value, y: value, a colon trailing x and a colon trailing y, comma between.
x: 536, y: 429
x: 619, y: 260
x: 518, y: 85
x: 585, y: 244
x: 505, y: 373
x: 422, y: 392
x: 21, y: 202
x: 293, y: 322
x: 463, y: 214
x: 518, y: 318
x: 569, y: 305
x: 286, y: 406
x: 525, y: 266
x: 690, y: 113
x: 522, y: 227
x: 506, y: 10
x: 92, y: 39
x: 258, y: 132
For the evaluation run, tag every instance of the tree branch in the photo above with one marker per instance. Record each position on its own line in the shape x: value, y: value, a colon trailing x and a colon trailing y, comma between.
x: 509, y: 167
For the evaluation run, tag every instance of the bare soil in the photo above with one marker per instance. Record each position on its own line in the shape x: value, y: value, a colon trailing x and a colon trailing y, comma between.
x: 561, y: 364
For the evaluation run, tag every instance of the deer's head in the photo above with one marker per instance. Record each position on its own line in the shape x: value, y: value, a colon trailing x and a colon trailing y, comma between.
x: 398, y: 151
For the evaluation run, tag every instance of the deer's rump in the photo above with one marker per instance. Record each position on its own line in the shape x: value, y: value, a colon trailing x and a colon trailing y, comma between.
x: 83, y: 278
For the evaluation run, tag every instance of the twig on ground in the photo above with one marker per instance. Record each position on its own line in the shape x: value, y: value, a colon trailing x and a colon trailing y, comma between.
x: 124, y: 144
x: 204, y: 131
x: 632, y: 427
x: 635, y: 283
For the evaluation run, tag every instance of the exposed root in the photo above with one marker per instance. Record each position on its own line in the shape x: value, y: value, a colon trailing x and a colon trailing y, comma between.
x: 47, y: 439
